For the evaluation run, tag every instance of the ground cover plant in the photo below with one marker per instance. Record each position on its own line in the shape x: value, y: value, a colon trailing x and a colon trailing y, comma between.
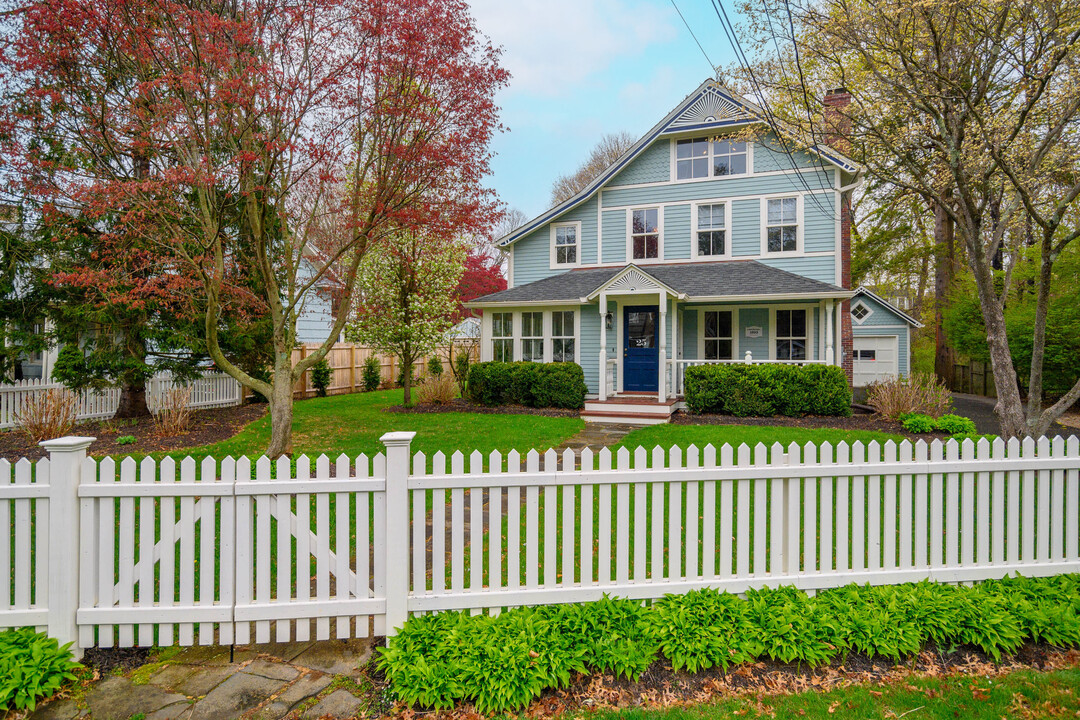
x: 502, y: 663
x: 767, y: 390
x: 32, y: 666
x: 954, y: 425
x: 668, y: 435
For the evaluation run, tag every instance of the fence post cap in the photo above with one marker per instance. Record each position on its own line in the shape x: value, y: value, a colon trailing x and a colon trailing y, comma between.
x: 401, y: 437
x: 72, y: 443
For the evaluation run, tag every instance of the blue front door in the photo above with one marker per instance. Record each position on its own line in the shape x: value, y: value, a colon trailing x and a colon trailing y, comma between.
x: 641, y: 352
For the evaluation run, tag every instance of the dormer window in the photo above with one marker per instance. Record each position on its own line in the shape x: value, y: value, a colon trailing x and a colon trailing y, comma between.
x: 709, y: 157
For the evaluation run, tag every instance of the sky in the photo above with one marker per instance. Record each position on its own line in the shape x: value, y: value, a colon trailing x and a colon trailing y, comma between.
x: 583, y: 68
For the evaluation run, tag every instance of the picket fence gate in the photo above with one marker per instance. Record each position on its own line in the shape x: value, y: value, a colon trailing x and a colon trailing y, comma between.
x: 209, y: 391
x: 104, y: 553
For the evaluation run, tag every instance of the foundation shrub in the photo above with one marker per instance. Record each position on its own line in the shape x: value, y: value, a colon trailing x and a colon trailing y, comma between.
x: 559, y: 385
x: 767, y: 390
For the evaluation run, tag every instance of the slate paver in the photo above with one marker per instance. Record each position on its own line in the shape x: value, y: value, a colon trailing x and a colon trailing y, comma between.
x: 118, y: 699
x: 305, y: 686
x: 235, y: 696
x: 338, y: 704
x: 336, y: 657
x: 273, y: 670
x: 192, y: 680
x: 176, y: 711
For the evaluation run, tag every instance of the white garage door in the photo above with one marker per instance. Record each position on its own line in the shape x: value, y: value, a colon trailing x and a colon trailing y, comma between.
x: 875, y: 359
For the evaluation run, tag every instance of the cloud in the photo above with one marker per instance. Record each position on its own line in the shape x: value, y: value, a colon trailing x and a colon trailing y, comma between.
x: 553, y: 46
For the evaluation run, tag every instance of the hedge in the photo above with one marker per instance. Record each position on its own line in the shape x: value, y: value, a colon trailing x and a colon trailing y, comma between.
x: 557, y: 385
x: 503, y: 662
x: 767, y: 390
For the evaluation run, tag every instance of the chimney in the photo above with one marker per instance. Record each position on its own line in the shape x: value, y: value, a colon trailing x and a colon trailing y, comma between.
x: 836, y: 122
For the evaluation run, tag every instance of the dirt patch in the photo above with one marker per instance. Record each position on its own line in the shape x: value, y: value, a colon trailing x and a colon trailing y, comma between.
x: 104, y: 660
x: 661, y: 686
x: 858, y: 421
x: 208, y: 426
x: 459, y: 405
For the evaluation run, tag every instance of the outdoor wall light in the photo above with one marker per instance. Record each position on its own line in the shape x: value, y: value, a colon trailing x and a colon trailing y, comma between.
x: 609, y: 321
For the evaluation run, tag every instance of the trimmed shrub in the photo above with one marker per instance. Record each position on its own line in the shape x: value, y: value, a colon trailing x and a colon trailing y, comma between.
x: 559, y: 385
x: 372, y: 374
x: 460, y: 367
x: 955, y: 425
x: 434, y: 367
x: 320, y: 377
x: 766, y: 390
x: 918, y: 393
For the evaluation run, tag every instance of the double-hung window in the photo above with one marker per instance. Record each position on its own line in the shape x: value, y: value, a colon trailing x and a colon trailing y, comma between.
x: 502, y: 337
x: 645, y: 234
x: 711, y: 229
x: 532, y: 336
x: 782, y: 225
x: 718, y: 337
x: 562, y: 336
x: 704, y: 157
x: 566, y: 244
x: 791, y: 335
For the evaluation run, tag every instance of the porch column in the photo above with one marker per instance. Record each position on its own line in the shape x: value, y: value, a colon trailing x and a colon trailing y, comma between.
x: 830, y: 356
x: 675, y: 346
x: 839, y: 346
x: 603, y: 347
x: 661, y: 391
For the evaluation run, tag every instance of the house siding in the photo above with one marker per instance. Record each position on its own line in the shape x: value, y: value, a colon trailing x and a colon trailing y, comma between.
x: 532, y: 254
x: 882, y: 314
x: 769, y: 156
x: 884, y: 321
x: 708, y: 189
x: 614, y: 245
x: 589, y: 352
x: 651, y: 166
x: 758, y: 347
x: 816, y: 267
x: 677, y: 232
x: 746, y: 227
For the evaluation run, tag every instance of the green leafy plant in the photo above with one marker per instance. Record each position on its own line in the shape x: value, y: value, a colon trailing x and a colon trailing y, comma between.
x: 461, y: 364
x: 955, y: 425
x: 918, y: 423
x: 32, y: 666
x: 434, y: 367
x: 126, y: 440
x: 372, y: 373
x: 560, y: 385
x: 320, y: 377
x: 767, y: 390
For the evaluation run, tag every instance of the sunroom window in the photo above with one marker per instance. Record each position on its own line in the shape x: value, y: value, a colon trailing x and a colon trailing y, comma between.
x: 791, y: 335
x: 709, y: 157
x: 502, y: 337
x: 532, y: 336
x: 562, y: 336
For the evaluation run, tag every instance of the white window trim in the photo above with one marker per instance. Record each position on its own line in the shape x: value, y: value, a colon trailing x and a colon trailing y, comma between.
x: 549, y: 334
x: 488, y: 328
x: 734, y: 310
x: 718, y: 178
x: 553, y: 265
x: 799, y: 230
x: 520, y: 338
x: 630, y: 235
x: 694, y: 229
x: 869, y: 311
x: 810, y: 330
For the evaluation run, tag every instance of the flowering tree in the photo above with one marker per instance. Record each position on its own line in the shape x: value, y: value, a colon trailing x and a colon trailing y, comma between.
x: 281, y: 139
x: 407, y: 301
x: 481, y: 275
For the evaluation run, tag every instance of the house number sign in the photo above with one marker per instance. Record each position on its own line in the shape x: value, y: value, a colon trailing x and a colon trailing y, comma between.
x: 754, y: 331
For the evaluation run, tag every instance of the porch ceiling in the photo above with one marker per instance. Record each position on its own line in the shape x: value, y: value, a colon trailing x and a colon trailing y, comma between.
x: 694, y: 282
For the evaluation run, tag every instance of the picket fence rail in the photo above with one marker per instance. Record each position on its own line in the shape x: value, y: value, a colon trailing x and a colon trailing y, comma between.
x: 106, y: 553
x: 209, y: 391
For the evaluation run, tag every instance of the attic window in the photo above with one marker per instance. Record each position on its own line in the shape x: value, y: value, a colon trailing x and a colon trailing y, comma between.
x: 860, y: 312
x: 709, y: 157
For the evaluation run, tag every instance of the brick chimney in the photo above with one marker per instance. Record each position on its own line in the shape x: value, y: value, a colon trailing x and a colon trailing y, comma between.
x: 837, y: 126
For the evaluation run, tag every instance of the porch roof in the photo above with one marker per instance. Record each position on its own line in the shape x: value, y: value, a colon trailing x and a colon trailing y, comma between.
x: 694, y: 282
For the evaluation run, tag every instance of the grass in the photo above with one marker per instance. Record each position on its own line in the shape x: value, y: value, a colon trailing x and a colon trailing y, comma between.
x: 1020, y: 694
x: 352, y: 424
x: 701, y: 435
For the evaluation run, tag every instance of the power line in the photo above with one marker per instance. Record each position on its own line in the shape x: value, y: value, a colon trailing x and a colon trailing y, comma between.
x: 712, y: 66
x: 740, y: 56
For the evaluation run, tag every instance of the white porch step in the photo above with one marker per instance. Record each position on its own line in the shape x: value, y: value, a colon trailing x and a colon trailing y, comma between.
x: 629, y: 409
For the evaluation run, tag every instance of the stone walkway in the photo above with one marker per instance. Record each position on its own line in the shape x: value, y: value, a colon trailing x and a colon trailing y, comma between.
x: 596, y: 436
x: 263, y: 682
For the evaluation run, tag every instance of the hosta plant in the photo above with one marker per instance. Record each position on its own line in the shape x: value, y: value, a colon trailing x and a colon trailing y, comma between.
x: 32, y: 666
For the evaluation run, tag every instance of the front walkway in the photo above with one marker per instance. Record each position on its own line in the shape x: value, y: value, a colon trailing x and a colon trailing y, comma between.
x: 265, y: 682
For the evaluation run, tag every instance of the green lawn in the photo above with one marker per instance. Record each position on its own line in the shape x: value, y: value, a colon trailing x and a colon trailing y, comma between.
x: 701, y: 435
x: 1020, y: 694
x: 352, y: 424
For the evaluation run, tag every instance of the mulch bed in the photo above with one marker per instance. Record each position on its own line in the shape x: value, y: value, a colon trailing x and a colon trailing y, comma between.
x: 207, y: 426
x: 459, y: 405
x: 858, y: 421
x: 660, y: 686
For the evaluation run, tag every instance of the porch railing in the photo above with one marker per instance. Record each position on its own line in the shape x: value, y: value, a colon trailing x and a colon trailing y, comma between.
x: 677, y: 368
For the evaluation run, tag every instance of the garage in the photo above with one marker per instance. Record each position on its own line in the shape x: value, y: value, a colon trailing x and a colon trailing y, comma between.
x: 875, y: 358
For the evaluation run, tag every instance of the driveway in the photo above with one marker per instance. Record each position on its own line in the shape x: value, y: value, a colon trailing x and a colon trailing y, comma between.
x: 981, y: 410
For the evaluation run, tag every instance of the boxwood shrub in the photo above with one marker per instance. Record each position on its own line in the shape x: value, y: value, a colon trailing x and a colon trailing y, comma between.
x: 541, y: 385
x: 766, y: 390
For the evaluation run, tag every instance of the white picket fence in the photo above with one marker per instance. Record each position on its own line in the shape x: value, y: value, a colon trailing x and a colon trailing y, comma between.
x: 128, y: 553
x: 210, y: 390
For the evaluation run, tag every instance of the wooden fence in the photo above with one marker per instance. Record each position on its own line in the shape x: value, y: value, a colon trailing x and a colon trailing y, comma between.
x: 347, y: 366
x: 210, y: 390
x: 240, y: 551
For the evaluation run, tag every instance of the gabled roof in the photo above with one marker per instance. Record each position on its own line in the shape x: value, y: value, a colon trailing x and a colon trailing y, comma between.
x: 711, y: 106
x: 863, y: 290
x: 729, y: 280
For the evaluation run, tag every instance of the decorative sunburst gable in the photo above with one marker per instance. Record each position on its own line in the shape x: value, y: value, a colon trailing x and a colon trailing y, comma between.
x: 712, y: 107
x: 632, y: 281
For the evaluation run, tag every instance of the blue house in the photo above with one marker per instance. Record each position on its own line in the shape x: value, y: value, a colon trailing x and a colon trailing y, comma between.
x: 712, y: 240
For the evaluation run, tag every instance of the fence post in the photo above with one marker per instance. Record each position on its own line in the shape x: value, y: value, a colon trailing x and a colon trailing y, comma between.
x: 66, y: 456
x: 398, y: 456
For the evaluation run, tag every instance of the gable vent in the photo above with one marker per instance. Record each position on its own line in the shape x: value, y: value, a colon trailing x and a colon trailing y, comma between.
x: 633, y: 282
x: 710, y: 107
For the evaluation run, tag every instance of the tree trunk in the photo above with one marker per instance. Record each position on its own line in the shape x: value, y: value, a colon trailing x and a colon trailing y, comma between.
x: 1009, y: 407
x: 944, y: 271
x: 281, y: 407
x: 407, y: 370
x: 132, y: 401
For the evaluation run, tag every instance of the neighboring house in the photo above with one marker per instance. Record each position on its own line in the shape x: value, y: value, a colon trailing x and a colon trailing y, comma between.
x: 694, y: 247
x: 882, y: 338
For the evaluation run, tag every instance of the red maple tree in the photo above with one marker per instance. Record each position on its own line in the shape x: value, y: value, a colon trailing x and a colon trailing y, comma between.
x: 482, y: 276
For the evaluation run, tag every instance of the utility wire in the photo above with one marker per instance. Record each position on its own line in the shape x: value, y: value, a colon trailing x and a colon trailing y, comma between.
x: 712, y: 66
x: 740, y: 56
